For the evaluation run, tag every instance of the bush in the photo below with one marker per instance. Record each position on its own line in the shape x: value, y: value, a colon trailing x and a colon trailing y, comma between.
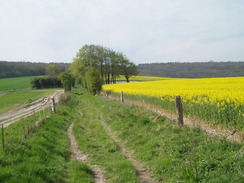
x: 45, y: 82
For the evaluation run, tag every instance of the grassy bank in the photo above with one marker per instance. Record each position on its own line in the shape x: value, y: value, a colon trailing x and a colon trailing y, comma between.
x: 43, y: 155
x: 230, y: 117
x: 173, y: 154
x: 14, y: 99
x: 93, y: 140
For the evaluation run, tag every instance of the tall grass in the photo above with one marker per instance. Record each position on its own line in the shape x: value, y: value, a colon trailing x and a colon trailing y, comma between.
x: 41, y: 157
x: 230, y: 116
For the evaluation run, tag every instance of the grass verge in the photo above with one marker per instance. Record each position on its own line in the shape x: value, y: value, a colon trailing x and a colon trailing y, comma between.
x: 228, y: 118
x: 42, y: 156
x: 14, y: 99
x: 173, y: 154
x: 94, y: 141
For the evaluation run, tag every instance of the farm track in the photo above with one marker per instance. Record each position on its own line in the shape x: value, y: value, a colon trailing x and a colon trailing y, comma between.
x: 142, y: 172
x: 231, y: 135
x: 25, y: 110
x: 77, y: 155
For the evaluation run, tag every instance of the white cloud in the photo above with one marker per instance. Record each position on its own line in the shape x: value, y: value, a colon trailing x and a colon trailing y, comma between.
x: 146, y: 31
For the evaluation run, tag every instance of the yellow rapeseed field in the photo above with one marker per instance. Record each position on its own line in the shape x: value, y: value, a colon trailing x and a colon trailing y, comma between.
x: 143, y: 78
x: 219, y: 92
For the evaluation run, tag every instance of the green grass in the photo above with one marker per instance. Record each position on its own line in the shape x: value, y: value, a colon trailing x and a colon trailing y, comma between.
x: 173, y: 154
x: 20, y: 128
x: 17, y: 83
x: 43, y: 156
x: 230, y: 117
x: 94, y: 141
x: 13, y: 99
x: 79, y: 172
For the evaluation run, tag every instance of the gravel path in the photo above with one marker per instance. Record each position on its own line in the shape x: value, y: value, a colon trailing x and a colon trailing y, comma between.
x: 25, y: 110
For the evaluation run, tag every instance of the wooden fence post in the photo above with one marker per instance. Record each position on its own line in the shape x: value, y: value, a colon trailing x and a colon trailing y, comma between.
x: 121, y: 97
x: 34, y: 113
x: 106, y: 94
x: 3, y: 143
x: 53, y: 105
x: 179, y: 110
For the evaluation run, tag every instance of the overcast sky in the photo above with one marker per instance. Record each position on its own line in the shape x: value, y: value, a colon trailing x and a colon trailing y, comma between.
x: 144, y: 30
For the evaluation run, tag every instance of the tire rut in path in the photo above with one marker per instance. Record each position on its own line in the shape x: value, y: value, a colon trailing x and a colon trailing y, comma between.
x: 25, y: 110
x: 142, y: 172
x: 77, y: 155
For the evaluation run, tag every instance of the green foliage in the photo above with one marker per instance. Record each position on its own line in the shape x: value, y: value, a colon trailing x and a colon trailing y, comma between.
x: 52, y: 71
x: 20, y: 69
x: 192, y: 70
x: 128, y: 69
x: 67, y: 80
x: 93, y: 80
x: 45, y: 82
x: 110, y: 64
x: 64, y: 98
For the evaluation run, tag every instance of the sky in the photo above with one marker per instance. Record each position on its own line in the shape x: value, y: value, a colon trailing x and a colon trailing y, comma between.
x: 146, y: 31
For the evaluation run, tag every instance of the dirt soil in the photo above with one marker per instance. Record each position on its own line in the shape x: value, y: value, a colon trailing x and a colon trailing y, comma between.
x: 77, y: 155
x: 25, y: 110
x: 142, y: 172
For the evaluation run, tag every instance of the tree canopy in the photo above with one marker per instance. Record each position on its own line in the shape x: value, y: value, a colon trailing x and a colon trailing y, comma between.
x: 110, y: 63
x: 67, y: 80
x: 52, y: 71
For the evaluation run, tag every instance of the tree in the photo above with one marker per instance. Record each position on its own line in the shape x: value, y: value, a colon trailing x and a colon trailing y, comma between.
x: 93, y: 80
x: 128, y: 69
x: 45, y: 82
x: 52, y: 71
x: 67, y: 80
x: 109, y: 63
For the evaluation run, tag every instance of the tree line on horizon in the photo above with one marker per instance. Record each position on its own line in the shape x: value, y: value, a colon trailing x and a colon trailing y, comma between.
x: 19, y: 69
x: 174, y: 69
x: 192, y: 69
x: 93, y: 66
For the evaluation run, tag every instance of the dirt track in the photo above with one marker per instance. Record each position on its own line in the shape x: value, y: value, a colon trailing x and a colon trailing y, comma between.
x: 16, y: 114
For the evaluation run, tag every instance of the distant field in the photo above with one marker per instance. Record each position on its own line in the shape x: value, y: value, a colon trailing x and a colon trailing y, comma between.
x: 143, y: 78
x: 17, y: 83
x: 13, y: 99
